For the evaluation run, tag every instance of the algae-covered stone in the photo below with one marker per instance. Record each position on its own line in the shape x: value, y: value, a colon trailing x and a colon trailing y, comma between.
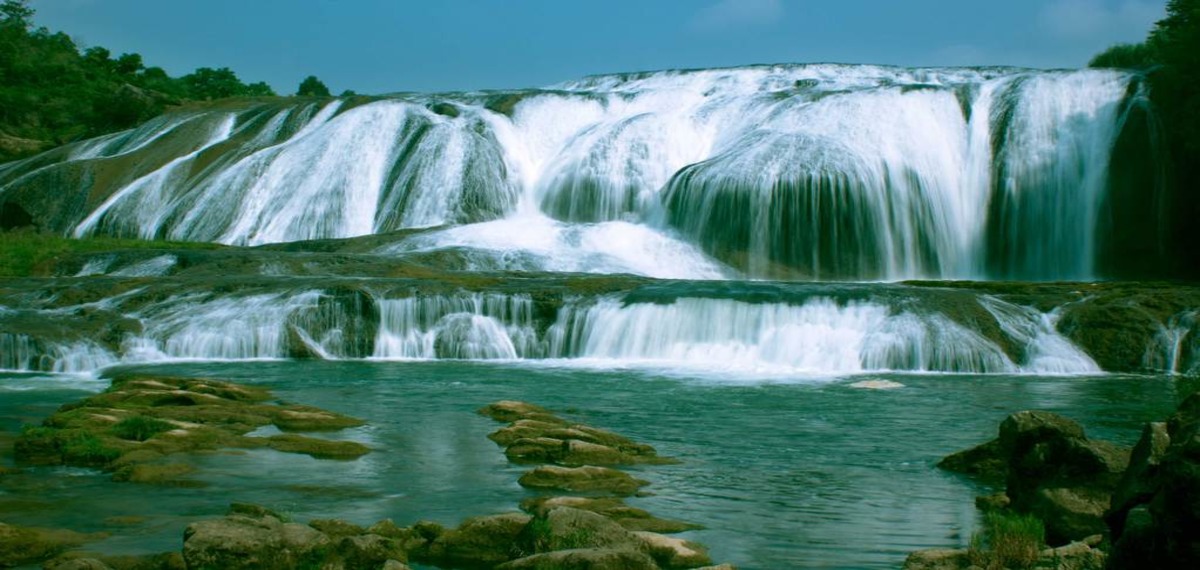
x: 987, y: 461
x: 565, y: 528
x: 586, y: 479
x: 584, y: 559
x: 674, y: 552
x: 20, y: 545
x: 614, y: 508
x: 241, y: 542
x: 318, y: 448
x: 139, y: 420
x: 511, y: 411
x: 479, y: 542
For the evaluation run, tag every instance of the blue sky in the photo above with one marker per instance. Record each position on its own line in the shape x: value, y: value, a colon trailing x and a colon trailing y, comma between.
x: 378, y: 46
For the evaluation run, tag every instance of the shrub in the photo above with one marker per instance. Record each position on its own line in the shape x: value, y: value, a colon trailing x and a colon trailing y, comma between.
x: 1007, y: 540
x: 140, y: 428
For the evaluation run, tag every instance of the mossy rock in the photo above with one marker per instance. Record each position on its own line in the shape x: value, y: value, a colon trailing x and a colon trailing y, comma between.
x: 317, y: 448
x: 139, y: 420
x: 586, y: 479
x: 20, y: 546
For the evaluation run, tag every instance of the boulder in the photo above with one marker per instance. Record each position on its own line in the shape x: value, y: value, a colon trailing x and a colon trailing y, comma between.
x: 1076, y: 512
x: 367, y: 551
x: 479, y: 542
x: 584, y: 559
x: 938, y: 559
x: 512, y: 411
x: 1159, y: 530
x: 1140, y: 480
x: 565, y: 528
x: 613, y: 508
x: 335, y: 528
x: 21, y: 545
x: 239, y: 541
x: 1051, y: 470
x: 674, y: 552
x: 78, y: 564
x: 586, y: 479
x: 988, y: 462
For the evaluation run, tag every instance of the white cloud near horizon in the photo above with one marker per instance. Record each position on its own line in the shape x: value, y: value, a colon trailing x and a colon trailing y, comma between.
x: 726, y: 15
x: 1091, y: 20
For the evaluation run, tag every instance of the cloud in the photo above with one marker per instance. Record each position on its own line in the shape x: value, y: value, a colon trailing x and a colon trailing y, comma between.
x: 728, y: 15
x: 1105, y: 20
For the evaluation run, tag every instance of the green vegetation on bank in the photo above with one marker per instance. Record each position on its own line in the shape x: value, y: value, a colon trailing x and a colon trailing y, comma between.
x: 23, y: 253
x: 1007, y: 540
x: 1171, y: 58
x: 54, y: 91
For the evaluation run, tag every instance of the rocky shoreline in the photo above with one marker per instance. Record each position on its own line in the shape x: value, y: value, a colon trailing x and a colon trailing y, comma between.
x: 1100, y: 505
x: 141, y: 427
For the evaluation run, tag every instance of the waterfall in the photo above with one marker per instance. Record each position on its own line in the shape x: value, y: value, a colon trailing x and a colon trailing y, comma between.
x: 22, y: 353
x: 810, y: 172
x: 480, y: 326
x: 820, y: 336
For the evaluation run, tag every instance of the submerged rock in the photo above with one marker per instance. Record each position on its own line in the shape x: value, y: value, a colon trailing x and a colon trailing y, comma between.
x: 586, y: 479
x: 20, y: 546
x: 138, y: 421
x: 630, y: 518
x: 584, y: 559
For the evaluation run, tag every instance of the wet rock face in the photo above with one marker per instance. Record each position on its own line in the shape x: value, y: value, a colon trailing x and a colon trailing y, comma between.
x: 1051, y: 470
x: 1155, y: 525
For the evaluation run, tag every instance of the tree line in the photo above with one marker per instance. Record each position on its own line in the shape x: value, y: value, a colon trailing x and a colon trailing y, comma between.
x: 1170, y: 58
x: 53, y: 92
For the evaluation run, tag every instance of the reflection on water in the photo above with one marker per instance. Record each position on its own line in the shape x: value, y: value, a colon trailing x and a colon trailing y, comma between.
x: 783, y: 475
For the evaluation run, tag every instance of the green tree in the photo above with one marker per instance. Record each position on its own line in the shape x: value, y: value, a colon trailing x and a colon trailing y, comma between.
x: 260, y: 89
x: 129, y: 64
x: 208, y: 83
x: 312, y: 87
x: 16, y: 13
x: 1126, y: 56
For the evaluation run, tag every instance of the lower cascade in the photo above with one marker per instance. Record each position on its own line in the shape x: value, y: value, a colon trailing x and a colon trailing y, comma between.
x: 817, y: 335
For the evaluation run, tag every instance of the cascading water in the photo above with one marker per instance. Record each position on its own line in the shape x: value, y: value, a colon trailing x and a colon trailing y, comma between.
x: 494, y: 327
x: 809, y: 172
x: 801, y: 173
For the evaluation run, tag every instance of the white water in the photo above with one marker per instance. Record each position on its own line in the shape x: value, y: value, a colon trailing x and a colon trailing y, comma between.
x: 493, y: 327
x: 819, y: 171
x: 819, y: 337
x: 1171, y: 351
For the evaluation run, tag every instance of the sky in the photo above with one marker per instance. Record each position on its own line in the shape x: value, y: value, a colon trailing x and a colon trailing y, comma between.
x: 382, y: 46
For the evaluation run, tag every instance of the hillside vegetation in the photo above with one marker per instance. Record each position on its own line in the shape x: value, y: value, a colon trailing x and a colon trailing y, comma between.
x: 1170, y: 57
x: 53, y: 91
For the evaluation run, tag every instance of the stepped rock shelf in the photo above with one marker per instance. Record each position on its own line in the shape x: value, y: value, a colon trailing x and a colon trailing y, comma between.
x: 122, y: 307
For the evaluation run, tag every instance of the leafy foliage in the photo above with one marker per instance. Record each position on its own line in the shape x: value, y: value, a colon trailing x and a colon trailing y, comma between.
x: 1007, y: 540
x: 1171, y: 54
x: 1125, y: 56
x: 312, y: 87
x: 140, y: 428
x: 52, y: 92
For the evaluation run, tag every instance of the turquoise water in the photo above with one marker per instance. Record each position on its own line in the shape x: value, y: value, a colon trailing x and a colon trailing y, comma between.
x: 782, y: 472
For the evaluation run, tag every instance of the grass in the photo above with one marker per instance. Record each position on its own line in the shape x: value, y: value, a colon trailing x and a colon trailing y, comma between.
x: 25, y: 254
x: 140, y: 428
x: 1007, y: 540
